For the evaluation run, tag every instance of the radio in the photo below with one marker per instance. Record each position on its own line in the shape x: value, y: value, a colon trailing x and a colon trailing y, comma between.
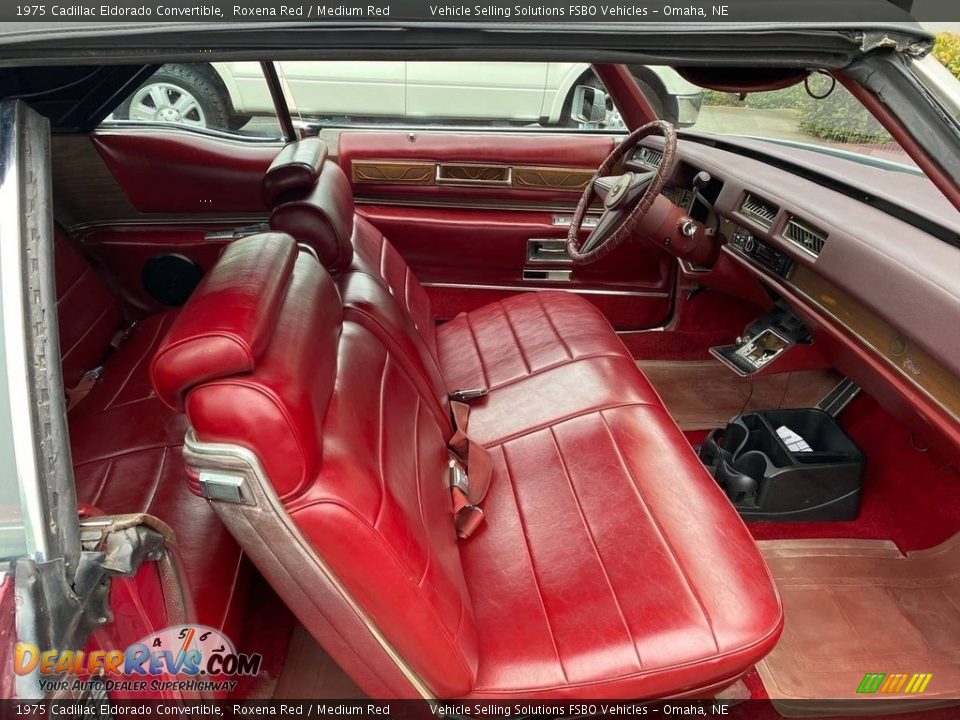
x: 758, y: 251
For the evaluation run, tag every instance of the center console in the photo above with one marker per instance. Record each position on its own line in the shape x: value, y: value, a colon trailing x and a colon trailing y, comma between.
x: 786, y: 465
x: 763, y: 341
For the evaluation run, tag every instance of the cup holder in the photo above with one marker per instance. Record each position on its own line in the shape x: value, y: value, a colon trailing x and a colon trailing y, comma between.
x: 767, y: 480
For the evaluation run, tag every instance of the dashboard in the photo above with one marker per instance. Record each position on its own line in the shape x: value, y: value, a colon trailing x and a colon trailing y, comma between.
x: 875, y: 289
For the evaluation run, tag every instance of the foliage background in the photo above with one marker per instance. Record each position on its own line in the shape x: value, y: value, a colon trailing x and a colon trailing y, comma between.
x: 838, y: 118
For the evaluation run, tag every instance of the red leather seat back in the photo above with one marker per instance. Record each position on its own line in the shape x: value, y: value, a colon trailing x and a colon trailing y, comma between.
x: 351, y: 443
x: 87, y: 311
x: 320, y: 216
x: 313, y: 202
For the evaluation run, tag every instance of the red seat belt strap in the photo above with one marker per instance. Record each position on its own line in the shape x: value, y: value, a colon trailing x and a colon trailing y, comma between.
x: 467, y: 494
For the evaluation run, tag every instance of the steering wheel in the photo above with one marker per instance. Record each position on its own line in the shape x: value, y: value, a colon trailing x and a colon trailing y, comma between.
x: 626, y: 198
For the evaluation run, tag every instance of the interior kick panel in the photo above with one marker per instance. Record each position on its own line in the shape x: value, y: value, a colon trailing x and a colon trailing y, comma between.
x: 124, y: 251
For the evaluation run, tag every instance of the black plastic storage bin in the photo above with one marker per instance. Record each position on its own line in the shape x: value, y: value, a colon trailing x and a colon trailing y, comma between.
x: 766, y: 480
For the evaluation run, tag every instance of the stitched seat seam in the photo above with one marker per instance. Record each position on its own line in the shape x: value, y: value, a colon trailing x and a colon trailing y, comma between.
x: 156, y: 484
x: 103, y: 482
x: 533, y: 567
x: 562, y: 363
x: 146, y: 353
x: 546, y: 314
x: 417, y: 479
x: 565, y: 418
x: 596, y: 549
x: 380, y: 440
x: 87, y: 332
x: 476, y: 347
x: 656, y: 524
x: 516, y: 339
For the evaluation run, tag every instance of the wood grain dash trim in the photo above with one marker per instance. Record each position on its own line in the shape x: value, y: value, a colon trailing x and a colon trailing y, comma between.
x: 914, y: 363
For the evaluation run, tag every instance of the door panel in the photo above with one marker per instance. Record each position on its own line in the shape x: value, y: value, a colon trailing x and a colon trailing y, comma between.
x: 135, y: 196
x: 479, y: 216
x: 179, y: 171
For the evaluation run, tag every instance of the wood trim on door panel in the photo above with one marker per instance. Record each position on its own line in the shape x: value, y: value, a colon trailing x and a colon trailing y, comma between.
x: 515, y: 177
x: 551, y: 178
x: 911, y: 361
x: 392, y: 172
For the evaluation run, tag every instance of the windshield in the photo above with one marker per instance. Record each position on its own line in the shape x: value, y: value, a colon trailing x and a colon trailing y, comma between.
x: 812, y: 115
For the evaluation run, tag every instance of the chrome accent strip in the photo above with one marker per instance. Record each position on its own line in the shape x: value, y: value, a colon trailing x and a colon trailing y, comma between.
x: 527, y: 288
x: 547, y: 275
x: 164, y: 220
x: 798, y: 224
x: 459, y: 205
x: 118, y: 127
x: 837, y: 399
x: 441, y: 179
x: 548, y: 251
x: 229, y: 459
x: 591, y: 221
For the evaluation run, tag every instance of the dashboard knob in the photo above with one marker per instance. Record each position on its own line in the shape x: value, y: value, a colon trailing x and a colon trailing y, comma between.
x: 750, y: 244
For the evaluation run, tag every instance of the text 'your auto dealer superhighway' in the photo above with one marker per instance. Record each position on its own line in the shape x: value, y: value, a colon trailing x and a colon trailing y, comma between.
x: 503, y: 11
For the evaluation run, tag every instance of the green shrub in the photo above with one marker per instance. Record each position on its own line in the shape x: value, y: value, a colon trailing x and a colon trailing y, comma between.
x: 790, y: 98
x: 947, y: 51
x: 841, y: 118
x: 837, y: 118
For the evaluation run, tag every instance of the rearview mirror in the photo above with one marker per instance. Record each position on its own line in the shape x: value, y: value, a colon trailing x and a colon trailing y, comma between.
x: 589, y: 106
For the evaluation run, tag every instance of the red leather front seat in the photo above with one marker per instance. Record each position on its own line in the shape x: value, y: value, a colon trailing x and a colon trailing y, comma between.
x: 610, y: 564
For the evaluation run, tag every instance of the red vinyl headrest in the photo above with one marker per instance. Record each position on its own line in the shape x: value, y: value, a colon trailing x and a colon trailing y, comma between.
x: 294, y: 170
x: 322, y: 219
x: 228, y: 320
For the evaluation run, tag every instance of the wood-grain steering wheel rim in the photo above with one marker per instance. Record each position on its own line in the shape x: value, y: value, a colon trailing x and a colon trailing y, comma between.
x: 630, y: 220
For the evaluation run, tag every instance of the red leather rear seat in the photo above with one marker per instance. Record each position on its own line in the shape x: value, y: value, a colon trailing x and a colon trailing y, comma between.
x: 610, y: 564
x: 125, y: 444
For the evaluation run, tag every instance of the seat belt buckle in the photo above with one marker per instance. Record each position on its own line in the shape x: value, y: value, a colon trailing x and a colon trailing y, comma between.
x: 468, y: 395
x: 458, y: 479
x: 120, y: 336
x: 77, y: 393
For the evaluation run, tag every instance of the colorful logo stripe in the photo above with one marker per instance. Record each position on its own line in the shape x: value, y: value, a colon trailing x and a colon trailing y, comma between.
x: 894, y: 683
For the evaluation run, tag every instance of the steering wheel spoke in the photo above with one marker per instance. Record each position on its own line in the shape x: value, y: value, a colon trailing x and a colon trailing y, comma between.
x: 626, y: 198
x: 606, y: 226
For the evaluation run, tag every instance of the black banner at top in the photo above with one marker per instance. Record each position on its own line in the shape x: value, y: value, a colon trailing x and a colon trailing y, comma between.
x: 523, y: 11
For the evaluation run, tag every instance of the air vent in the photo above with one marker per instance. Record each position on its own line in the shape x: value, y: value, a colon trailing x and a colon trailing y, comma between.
x: 806, y: 237
x: 648, y: 157
x: 760, y: 211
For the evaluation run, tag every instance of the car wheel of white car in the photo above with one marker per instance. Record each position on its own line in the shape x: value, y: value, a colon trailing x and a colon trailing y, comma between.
x: 180, y: 95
